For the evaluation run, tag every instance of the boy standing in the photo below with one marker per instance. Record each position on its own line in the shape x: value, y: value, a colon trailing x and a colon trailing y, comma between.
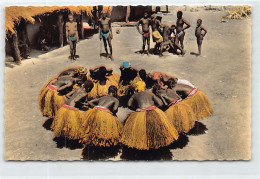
x: 72, y: 36
x: 146, y: 23
x: 200, y: 34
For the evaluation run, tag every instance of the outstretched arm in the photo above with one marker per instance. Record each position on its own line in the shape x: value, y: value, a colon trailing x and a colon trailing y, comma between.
x: 187, y: 24
x: 70, y: 93
x: 93, y: 102
x: 65, y: 86
x: 79, y: 97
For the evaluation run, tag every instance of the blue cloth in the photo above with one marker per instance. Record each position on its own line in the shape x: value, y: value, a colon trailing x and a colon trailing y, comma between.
x: 105, y: 35
x: 72, y: 38
x: 126, y: 64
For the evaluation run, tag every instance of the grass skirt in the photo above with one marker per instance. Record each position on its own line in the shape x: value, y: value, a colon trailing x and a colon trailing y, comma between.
x: 123, y: 90
x: 50, y: 102
x: 100, y: 128
x: 43, y: 90
x: 102, y: 90
x: 182, y: 117
x: 200, y: 104
x: 67, y: 123
x: 149, y: 129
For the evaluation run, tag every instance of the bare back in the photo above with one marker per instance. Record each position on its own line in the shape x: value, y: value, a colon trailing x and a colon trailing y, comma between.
x: 182, y: 88
x: 166, y: 33
x: 168, y: 95
x: 63, y: 81
x: 108, y: 102
x: 155, y: 23
x: 77, y: 96
x: 144, y: 99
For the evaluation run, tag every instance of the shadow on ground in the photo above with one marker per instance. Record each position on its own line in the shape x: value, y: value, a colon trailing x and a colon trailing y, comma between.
x: 47, y: 123
x: 64, y: 142
x: 198, y: 129
x: 99, y: 153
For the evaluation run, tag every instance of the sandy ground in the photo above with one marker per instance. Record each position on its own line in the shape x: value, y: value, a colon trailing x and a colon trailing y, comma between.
x: 223, y: 73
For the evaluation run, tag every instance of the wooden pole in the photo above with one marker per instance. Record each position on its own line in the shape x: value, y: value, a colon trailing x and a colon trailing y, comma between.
x: 60, y: 25
x: 128, y: 10
x: 81, y: 30
x: 24, y: 39
x: 16, y: 51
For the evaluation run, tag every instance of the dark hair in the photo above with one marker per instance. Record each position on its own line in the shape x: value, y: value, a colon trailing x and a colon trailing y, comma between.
x: 179, y: 12
x: 112, y: 89
x: 142, y: 73
x: 102, y: 69
x: 171, y: 82
x: 89, y: 84
x: 199, y: 20
x: 156, y: 88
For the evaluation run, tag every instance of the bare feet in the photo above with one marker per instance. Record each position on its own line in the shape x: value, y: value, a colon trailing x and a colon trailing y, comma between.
x: 111, y: 57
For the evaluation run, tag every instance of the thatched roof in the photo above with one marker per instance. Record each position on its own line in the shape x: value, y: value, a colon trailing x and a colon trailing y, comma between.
x: 15, y: 13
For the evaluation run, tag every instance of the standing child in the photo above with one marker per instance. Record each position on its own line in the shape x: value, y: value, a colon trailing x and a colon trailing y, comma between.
x: 200, y: 34
x: 72, y: 36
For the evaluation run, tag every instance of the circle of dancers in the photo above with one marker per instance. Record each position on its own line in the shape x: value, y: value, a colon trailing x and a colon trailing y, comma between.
x: 84, y: 104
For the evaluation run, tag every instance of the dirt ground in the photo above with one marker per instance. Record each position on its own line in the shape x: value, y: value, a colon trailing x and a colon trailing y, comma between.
x: 222, y: 72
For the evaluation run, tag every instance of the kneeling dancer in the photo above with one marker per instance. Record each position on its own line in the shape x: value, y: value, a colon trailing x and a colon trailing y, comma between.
x: 100, y: 126
x: 147, y: 127
x: 194, y: 97
x: 67, y: 72
x: 102, y: 78
x: 180, y: 114
x: 67, y: 121
x: 50, y: 100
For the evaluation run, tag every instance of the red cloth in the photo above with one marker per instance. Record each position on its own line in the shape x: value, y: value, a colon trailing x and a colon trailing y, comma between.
x: 102, y: 108
x: 69, y: 107
x: 146, y: 108
x: 147, y: 34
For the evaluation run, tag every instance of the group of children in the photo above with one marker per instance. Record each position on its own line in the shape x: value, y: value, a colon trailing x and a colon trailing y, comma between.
x: 163, y: 35
x: 83, y: 105
x: 168, y: 36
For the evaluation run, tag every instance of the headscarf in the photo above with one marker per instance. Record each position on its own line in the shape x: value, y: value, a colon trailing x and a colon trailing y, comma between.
x: 81, y: 70
x: 140, y: 86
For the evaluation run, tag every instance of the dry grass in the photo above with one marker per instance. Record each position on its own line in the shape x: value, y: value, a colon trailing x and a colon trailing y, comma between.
x: 15, y: 13
x: 237, y: 12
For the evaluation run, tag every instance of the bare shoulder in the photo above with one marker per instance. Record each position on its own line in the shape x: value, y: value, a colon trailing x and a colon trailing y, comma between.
x: 203, y: 27
x: 116, y: 100
x: 184, y: 20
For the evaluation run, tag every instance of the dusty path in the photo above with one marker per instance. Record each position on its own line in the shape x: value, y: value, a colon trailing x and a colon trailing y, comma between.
x: 223, y: 74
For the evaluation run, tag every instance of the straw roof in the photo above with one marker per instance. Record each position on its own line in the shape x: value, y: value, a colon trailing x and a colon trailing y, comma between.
x: 15, y: 13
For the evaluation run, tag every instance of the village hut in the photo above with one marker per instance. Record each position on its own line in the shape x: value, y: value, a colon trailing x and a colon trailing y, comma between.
x: 18, y: 18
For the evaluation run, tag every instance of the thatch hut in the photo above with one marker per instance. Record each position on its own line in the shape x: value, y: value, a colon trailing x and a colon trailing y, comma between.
x: 18, y: 18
